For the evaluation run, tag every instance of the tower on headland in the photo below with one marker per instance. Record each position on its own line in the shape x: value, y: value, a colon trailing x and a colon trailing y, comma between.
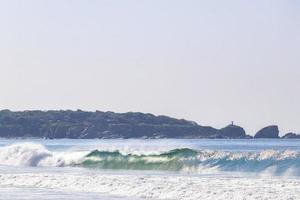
x: 232, y: 123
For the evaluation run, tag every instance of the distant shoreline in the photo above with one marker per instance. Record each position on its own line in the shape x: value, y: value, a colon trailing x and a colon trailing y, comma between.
x: 59, y: 124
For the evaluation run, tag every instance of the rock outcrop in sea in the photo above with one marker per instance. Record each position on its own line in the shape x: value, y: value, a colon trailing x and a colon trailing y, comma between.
x: 232, y: 131
x: 268, y: 132
x: 291, y: 136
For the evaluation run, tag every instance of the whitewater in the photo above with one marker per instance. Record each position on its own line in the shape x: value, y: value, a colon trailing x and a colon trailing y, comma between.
x: 151, y: 169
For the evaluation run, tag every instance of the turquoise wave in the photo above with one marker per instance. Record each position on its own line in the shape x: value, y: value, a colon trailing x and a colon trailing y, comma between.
x: 173, y: 160
x: 191, y: 160
x: 185, y: 159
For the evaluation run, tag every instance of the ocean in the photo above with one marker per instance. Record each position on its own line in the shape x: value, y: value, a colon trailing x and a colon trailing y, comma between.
x: 135, y: 169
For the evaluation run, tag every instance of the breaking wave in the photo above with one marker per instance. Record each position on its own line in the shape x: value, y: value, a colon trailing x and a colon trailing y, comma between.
x: 184, y: 159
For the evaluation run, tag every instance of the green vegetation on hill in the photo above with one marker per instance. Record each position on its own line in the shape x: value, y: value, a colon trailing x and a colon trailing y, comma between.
x: 81, y: 124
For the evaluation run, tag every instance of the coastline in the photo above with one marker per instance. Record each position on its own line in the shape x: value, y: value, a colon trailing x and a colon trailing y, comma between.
x: 109, y: 125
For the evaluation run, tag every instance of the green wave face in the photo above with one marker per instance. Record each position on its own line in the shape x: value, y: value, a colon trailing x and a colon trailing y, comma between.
x: 190, y: 160
x: 173, y: 160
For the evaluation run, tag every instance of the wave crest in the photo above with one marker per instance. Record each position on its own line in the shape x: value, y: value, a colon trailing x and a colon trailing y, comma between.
x: 33, y: 154
x: 198, y: 161
x: 190, y: 160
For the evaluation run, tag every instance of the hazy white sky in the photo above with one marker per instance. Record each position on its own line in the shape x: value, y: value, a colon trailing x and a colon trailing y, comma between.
x: 207, y: 61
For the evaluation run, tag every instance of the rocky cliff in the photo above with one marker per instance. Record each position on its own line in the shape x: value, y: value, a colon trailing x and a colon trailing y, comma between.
x: 81, y: 124
x: 291, y: 136
x: 232, y: 131
x: 268, y: 132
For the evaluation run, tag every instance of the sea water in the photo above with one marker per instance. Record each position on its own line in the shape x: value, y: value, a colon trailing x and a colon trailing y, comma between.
x: 153, y: 169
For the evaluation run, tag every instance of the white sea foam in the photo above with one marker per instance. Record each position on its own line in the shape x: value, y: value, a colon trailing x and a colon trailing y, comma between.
x: 269, y: 162
x: 25, y: 154
x: 32, y: 154
x: 212, y: 174
x: 174, y: 187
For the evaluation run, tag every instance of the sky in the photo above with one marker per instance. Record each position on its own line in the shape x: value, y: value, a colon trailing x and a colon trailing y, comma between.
x: 210, y: 61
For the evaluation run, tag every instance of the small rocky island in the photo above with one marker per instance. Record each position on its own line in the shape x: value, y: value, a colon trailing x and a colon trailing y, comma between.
x: 268, y: 132
x: 109, y: 125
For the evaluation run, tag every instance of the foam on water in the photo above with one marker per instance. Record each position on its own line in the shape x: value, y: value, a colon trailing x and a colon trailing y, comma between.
x: 33, y: 154
x: 174, y: 187
x: 189, y: 160
x: 152, y: 169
